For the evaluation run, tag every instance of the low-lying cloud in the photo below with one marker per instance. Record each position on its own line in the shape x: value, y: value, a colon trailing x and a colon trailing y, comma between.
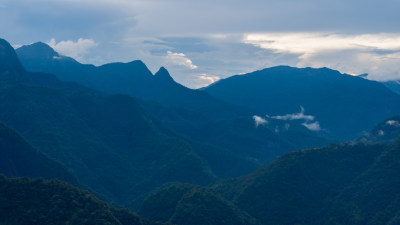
x: 259, y: 121
x: 295, y: 116
x: 309, y: 120
x: 312, y: 126
x: 394, y: 123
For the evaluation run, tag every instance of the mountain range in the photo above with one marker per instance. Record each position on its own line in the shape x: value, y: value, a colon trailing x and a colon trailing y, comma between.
x: 192, y: 114
x: 110, y: 143
x: 229, y: 153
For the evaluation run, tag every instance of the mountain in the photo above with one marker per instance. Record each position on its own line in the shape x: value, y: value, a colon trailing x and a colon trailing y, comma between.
x: 19, y: 159
x: 316, y: 186
x: 186, y: 204
x: 340, y: 105
x: 385, y: 131
x: 352, y: 183
x: 38, y: 201
x: 109, y: 142
x: 393, y: 85
x: 228, y: 131
x: 132, y: 78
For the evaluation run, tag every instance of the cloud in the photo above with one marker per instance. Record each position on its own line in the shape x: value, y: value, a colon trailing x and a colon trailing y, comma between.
x: 204, y: 79
x: 394, y: 123
x: 180, y: 59
x: 312, y: 126
x: 259, y: 121
x: 73, y: 49
x: 295, y: 116
x: 375, y: 54
x: 312, y: 43
x: 309, y: 120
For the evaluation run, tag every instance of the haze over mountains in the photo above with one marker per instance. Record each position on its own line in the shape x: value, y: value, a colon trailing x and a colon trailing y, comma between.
x: 124, y: 134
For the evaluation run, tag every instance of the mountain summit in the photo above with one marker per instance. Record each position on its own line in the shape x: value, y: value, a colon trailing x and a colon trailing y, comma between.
x: 164, y: 75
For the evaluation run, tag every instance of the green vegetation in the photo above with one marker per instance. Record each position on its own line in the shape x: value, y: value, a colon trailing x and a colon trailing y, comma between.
x: 186, y: 204
x: 340, y: 184
x: 18, y: 159
x: 41, y: 202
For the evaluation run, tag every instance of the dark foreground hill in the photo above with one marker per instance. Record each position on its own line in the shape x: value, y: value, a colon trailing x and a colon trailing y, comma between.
x: 190, y: 204
x: 19, y: 159
x: 344, y: 106
x: 340, y: 184
x: 36, y: 201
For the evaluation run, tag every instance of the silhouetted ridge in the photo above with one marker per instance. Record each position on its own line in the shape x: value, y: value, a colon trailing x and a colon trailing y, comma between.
x: 36, y: 201
x: 38, y: 50
x: 10, y: 66
x: 163, y: 75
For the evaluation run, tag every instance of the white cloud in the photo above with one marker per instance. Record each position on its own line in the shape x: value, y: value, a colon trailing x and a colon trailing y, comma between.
x: 73, y: 49
x: 375, y: 54
x: 259, y: 121
x: 295, y: 116
x: 180, y: 59
x: 312, y: 126
x: 394, y: 123
x: 312, y: 43
x: 204, y: 79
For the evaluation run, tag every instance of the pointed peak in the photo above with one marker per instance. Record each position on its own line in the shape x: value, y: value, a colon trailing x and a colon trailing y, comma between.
x: 163, y: 74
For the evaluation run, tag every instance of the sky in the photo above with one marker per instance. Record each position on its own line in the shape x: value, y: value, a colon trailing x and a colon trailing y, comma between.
x: 200, y: 42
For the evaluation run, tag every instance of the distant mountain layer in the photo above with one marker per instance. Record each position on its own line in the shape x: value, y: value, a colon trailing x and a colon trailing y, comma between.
x: 132, y: 78
x: 344, y: 106
x: 339, y: 184
x: 215, y: 128
x: 19, y: 159
x: 109, y: 142
x: 37, y: 201
x: 385, y: 131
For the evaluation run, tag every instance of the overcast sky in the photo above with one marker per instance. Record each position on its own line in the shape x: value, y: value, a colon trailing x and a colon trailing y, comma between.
x: 200, y: 42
